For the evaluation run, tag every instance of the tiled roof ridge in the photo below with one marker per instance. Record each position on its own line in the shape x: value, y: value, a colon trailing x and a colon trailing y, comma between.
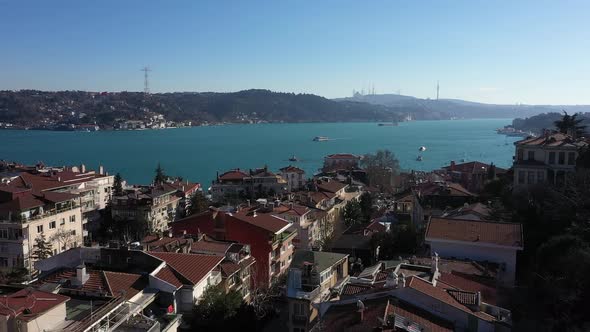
x: 103, y: 275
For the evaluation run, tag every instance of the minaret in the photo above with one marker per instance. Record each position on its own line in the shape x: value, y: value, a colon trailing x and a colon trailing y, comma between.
x: 437, y: 89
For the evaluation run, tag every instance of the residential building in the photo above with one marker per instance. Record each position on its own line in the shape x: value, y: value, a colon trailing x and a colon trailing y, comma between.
x: 341, y: 161
x: 545, y: 159
x: 238, y: 184
x: 154, y: 205
x: 27, y: 214
x: 472, y: 175
x: 270, y: 237
x: 477, y: 240
x: 294, y: 176
x: 168, y: 243
x: 406, y: 207
x: 443, y: 195
x: 475, y: 211
x: 237, y: 266
x: 93, y: 188
x: 310, y: 223
x: 31, y: 310
x: 312, y: 276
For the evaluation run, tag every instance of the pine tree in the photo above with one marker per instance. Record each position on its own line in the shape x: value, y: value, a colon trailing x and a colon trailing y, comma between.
x: 118, y: 185
x: 42, y: 248
x: 160, y: 176
x: 199, y: 203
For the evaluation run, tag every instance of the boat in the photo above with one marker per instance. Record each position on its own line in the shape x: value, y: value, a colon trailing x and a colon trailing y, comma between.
x: 320, y: 138
x: 422, y: 148
x: 293, y: 158
x: 388, y: 124
x: 512, y: 132
x: 419, y: 158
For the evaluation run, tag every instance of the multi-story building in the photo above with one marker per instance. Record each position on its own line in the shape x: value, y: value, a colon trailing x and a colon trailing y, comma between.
x: 27, y: 215
x: 155, y: 206
x: 295, y: 177
x: 236, y: 184
x: 312, y: 276
x: 93, y: 188
x: 236, y: 268
x: 545, y: 159
x: 270, y: 237
x: 310, y: 223
x: 341, y: 161
x: 477, y: 240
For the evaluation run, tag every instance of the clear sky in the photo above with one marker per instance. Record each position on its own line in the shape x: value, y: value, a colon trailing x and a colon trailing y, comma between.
x: 535, y: 51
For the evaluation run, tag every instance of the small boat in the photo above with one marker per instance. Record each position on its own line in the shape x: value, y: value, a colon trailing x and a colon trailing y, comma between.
x: 293, y: 158
x: 320, y: 138
x: 419, y: 158
x: 422, y: 148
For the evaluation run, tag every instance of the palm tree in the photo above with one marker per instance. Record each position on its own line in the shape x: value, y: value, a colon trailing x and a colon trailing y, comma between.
x: 570, y: 125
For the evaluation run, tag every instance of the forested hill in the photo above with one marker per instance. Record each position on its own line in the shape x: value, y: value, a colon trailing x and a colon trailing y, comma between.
x: 76, y: 107
x: 546, y: 121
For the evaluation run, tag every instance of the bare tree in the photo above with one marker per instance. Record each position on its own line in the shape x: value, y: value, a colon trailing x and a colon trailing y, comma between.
x: 63, y: 237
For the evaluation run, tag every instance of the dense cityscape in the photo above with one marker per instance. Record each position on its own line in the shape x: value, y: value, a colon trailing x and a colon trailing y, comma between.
x: 358, y: 245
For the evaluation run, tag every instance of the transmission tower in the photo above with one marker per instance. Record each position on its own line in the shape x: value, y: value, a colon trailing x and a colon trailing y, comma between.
x: 146, y: 85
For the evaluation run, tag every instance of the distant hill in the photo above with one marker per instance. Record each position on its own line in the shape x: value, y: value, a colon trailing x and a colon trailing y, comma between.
x: 77, y: 107
x: 455, y: 108
x: 539, y: 122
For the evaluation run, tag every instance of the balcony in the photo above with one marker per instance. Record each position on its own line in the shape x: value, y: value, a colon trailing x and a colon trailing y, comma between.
x: 280, y: 238
x: 308, y: 292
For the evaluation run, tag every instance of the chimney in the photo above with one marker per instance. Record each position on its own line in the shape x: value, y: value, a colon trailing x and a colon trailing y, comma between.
x: 82, y: 168
x: 478, y: 300
x: 434, y: 264
x: 391, y: 280
x: 254, y: 214
x: 81, y: 275
x: 290, y: 205
x: 402, y: 280
x: 101, y: 170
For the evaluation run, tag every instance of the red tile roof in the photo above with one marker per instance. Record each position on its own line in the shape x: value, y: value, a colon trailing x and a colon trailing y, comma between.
x: 168, y: 276
x: 126, y: 284
x: 235, y: 174
x: 36, y: 302
x: 193, y: 267
x: 331, y: 186
x: 343, y: 156
x: 426, y: 320
x: 262, y: 220
x: 376, y: 226
x: 472, y: 167
x: 96, y: 282
x: 345, y: 317
x: 292, y: 169
x: 553, y: 140
x: 503, y: 234
x: 210, y: 247
x: 470, y: 283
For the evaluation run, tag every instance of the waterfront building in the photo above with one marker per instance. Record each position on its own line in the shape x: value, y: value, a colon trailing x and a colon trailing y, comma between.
x: 545, y: 159
x: 239, y: 184
x: 341, y: 161
x: 294, y: 176
x: 473, y: 175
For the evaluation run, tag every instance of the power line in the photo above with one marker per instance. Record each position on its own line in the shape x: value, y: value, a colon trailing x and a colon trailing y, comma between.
x: 146, y: 86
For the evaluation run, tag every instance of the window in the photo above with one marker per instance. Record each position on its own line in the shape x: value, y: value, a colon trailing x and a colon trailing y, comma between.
x: 3, y: 234
x: 62, y: 222
x: 3, y: 262
x: 520, y: 154
x: 571, y: 158
x: 530, y: 177
x: 40, y: 229
x: 551, y: 158
x: 73, y: 218
x: 52, y: 225
x: 298, y: 309
x: 561, y: 158
x: 531, y: 155
x: 73, y: 232
x: 521, y: 176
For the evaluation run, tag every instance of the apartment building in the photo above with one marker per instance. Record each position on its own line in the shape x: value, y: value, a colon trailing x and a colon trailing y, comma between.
x: 545, y: 159
x: 294, y: 176
x: 240, y: 184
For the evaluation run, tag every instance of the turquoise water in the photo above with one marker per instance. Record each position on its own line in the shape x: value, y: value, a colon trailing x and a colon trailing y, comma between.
x: 198, y: 153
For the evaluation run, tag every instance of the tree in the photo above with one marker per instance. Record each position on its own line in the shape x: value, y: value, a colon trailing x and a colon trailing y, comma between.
x: 583, y: 160
x: 570, y: 125
x: 352, y: 213
x: 380, y: 168
x: 366, y: 204
x: 198, y: 203
x: 118, y: 185
x: 402, y: 239
x: 160, y: 177
x: 63, y: 237
x: 42, y: 248
x: 217, y: 310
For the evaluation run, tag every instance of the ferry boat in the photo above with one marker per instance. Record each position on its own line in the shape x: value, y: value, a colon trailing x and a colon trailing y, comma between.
x: 510, y: 131
x: 419, y: 158
x: 320, y: 138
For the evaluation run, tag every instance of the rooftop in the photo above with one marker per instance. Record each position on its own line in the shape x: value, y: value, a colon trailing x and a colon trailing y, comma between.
x: 496, y: 233
x: 27, y: 304
x: 265, y: 221
x: 323, y: 260
x: 552, y: 140
x: 193, y: 267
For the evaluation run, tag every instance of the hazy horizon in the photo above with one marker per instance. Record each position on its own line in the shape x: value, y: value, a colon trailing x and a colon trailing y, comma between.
x: 529, y: 52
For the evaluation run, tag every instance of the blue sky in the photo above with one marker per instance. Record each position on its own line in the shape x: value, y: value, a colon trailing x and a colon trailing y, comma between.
x: 535, y: 52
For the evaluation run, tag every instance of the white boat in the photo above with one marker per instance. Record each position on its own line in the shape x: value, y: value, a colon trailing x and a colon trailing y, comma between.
x: 422, y: 148
x: 320, y: 138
